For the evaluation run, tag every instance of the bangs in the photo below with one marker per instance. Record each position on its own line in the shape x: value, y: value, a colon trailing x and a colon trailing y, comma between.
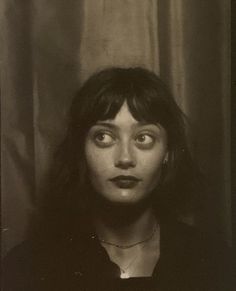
x: 144, y: 105
x: 148, y: 100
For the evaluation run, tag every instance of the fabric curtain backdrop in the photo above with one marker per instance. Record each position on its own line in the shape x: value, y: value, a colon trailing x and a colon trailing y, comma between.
x: 50, y: 47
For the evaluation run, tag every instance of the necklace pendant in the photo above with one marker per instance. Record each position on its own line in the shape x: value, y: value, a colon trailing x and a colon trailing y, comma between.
x: 124, y: 275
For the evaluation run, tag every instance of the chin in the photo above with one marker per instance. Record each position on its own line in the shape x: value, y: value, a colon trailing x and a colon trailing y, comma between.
x: 125, y: 197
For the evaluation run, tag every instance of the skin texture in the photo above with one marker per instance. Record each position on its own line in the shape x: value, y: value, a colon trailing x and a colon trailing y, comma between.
x: 125, y: 146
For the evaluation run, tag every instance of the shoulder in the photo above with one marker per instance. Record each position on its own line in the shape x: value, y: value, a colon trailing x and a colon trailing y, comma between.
x: 44, y: 265
x: 185, y: 234
x: 27, y: 265
x: 18, y: 256
x: 19, y: 270
x: 204, y: 257
x: 197, y: 243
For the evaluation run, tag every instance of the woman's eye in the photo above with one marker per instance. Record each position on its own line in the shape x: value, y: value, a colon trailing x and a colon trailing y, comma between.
x: 104, y: 139
x: 145, y: 140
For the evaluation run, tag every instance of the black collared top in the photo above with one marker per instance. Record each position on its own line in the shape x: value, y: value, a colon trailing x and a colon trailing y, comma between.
x: 189, y: 261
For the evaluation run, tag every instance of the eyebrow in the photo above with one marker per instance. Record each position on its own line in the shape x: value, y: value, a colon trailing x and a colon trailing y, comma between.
x: 107, y: 124
x: 113, y: 126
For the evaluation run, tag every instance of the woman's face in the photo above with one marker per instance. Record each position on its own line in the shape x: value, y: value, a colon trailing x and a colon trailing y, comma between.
x: 124, y: 157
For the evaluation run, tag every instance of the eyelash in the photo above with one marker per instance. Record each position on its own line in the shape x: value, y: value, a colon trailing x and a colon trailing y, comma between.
x: 102, y: 143
x: 139, y: 144
x: 144, y: 145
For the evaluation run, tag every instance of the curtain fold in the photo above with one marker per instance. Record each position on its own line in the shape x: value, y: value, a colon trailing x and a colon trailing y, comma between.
x: 118, y: 33
x: 17, y: 121
x: 194, y: 61
x: 50, y: 47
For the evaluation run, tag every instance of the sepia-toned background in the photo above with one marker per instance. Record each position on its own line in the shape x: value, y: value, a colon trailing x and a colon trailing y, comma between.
x: 50, y: 47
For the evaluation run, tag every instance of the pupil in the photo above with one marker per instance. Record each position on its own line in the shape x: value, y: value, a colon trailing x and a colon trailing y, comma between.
x: 142, y: 138
x: 101, y: 137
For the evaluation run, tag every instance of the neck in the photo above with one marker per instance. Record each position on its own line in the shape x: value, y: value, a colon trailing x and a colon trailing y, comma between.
x: 125, y: 228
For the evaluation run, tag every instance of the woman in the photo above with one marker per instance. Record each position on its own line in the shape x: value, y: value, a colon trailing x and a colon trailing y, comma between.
x: 120, y: 181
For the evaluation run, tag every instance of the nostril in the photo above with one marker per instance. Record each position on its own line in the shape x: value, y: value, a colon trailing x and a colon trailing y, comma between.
x: 125, y: 164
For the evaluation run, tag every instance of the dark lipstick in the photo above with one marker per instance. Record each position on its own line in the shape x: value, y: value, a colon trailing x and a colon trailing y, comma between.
x: 125, y: 181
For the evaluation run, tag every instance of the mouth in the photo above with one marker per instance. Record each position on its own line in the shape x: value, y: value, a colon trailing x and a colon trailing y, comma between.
x: 125, y: 182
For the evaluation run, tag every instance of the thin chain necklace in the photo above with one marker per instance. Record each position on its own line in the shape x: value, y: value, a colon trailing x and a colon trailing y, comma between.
x: 131, y: 245
x: 125, y: 274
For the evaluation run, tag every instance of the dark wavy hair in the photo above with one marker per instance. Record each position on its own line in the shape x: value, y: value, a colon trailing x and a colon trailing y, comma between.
x: 66, y: 200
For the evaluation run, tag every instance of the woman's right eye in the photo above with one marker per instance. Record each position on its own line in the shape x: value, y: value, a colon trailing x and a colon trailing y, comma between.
x: 104, y: 139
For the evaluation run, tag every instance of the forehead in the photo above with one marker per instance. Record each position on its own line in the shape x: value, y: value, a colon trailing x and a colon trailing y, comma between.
x: 124, y: 116
x: 124, y: 119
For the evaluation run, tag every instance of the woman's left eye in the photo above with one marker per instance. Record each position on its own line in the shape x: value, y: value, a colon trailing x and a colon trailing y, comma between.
x: 145, y: 140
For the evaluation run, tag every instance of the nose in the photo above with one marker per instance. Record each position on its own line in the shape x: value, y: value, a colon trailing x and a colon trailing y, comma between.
x: 125, y: 157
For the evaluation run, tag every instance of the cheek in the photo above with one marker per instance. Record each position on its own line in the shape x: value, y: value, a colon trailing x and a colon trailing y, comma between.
x: 152, y: 166
x: 97, y: 162
x: 93, y: 162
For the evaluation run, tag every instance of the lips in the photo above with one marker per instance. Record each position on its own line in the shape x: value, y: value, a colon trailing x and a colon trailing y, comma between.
x: 125, y: 181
